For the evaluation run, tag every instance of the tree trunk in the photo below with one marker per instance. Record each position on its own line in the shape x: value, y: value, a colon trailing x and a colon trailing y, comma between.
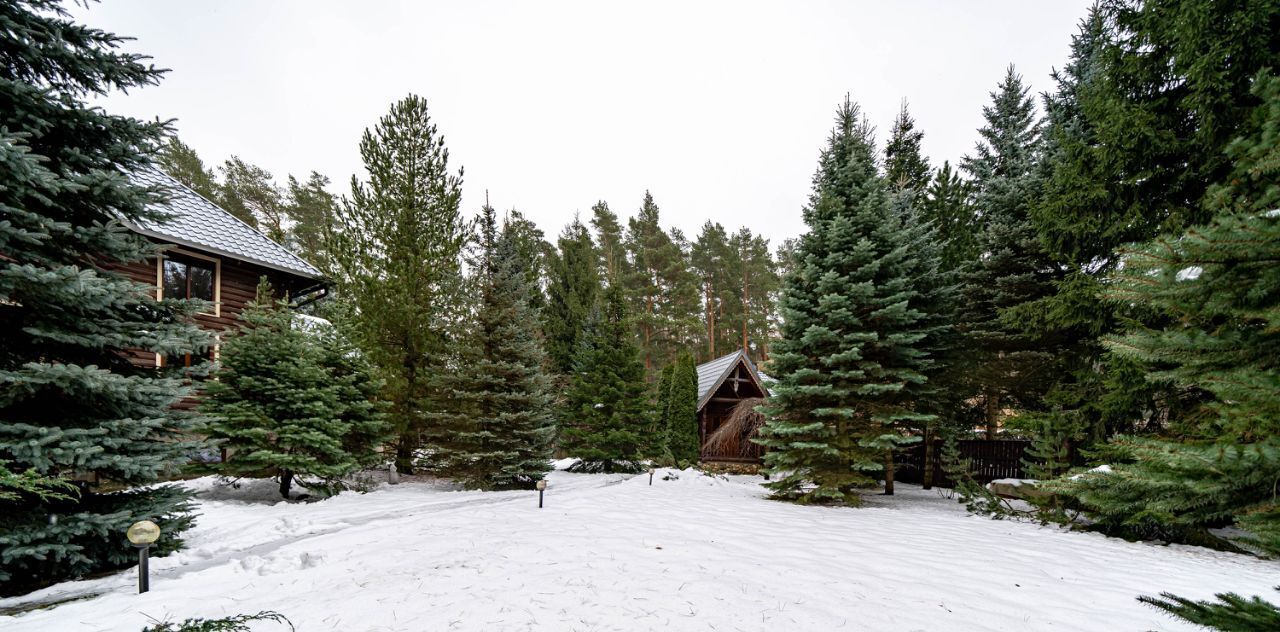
x: 993, y: 411
x: 711, y: 320
x: 927, y: 477
x: 404, y: 452
x: 888, y: 472
x: 286, y: 481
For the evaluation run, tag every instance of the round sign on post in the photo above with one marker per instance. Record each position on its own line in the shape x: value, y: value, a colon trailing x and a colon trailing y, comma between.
x: 142, y: 535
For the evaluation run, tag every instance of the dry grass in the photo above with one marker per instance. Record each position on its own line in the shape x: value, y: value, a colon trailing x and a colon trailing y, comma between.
x: 743, y: 424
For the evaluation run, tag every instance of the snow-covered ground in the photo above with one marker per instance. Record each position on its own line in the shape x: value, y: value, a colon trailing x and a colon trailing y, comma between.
x: 609, y: 552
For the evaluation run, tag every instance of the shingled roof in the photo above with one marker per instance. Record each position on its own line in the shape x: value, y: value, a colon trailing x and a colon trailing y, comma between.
x: 712, y: 374
x: 198, y: 223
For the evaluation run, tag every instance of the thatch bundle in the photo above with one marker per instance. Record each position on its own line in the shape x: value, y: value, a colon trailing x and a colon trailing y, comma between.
x: 732, y: 437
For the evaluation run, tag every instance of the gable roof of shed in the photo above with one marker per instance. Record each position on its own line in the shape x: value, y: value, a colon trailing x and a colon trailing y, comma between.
x: 712, y: 374
x: 198, y: 223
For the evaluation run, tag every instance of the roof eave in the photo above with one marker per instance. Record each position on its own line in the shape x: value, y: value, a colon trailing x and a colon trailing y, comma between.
x: 316, y: 276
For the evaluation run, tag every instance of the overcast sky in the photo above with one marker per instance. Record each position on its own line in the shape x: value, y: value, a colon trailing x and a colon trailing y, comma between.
x: 719, y: 109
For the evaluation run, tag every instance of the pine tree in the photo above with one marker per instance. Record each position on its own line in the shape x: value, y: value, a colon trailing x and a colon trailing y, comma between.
x: 280, y: 409
x: 572, y: 288
x: 312, y: 209
x: 71, y: 402
x: 660, y: 287
x: 710, y: 259
x: 905, y: 169
x: 755, y: 283
x: 853, y: 353
x: 396, y: 250
x: 182, y: 162
x: 250, y: 193
x: 1219, y: 288
x: 502, y: 387
x: 681, y: 427
x: 606, y: 403
x: 609, y: 240
x: 1008, y: 366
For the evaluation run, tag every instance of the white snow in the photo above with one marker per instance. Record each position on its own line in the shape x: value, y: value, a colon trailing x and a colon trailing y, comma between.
x: 611, y: 552
x: 1101, y: 469
x: 1189, y: 273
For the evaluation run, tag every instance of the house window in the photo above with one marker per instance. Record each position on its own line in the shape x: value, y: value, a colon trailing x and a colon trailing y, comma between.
x: 187, y: 277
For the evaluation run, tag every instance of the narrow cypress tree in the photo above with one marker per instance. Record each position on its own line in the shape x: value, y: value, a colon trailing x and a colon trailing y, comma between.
x: 503, y: 387
x: 660, y: 448
x: 606, y: 407
x: 572, y: 289
x: 71, y: 402
x: 682, y: 415
x: 279, y: 408
x: 853, y: 352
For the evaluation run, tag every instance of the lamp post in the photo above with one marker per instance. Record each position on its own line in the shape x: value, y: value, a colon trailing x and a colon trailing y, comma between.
x: 542, y: 486
x: 651, y: 477
x: 142, y: 535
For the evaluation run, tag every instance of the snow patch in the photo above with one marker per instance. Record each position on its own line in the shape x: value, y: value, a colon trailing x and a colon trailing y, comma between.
x: 1189, y: 273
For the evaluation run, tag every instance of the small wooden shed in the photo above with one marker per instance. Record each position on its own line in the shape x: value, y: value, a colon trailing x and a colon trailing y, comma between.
x: 722, y: 384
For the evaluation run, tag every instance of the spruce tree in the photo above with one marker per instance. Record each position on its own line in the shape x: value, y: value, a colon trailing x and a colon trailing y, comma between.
x: 503, y: 387
x: 905, y: 169
x: 948, y: 204
x: 681, y: 428
x: 1229, y: 612
x: 71, y: 402
x: 1153, y: 93
x: 1008, y: 366
x: 535, y: 254
x: 606, y: 405
x: 396, y: 252
x: 280, y: 409
x: 572, y: 288
x: 853, y: 354
x: 1219, y: 290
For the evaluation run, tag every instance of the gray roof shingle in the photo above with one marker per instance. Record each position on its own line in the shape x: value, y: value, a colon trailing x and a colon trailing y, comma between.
x: 198, y: 223
x: 712, y: 374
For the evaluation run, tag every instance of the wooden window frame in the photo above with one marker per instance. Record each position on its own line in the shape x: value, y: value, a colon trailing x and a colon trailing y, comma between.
x: 217, y: 289
x: 217, y: 278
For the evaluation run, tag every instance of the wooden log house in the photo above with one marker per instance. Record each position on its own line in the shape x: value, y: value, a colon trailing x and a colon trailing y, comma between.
x: 213, y: 256
x: 722, y: 384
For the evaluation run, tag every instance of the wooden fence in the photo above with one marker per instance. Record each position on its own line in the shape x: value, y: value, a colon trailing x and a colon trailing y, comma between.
x: 989, y: 459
